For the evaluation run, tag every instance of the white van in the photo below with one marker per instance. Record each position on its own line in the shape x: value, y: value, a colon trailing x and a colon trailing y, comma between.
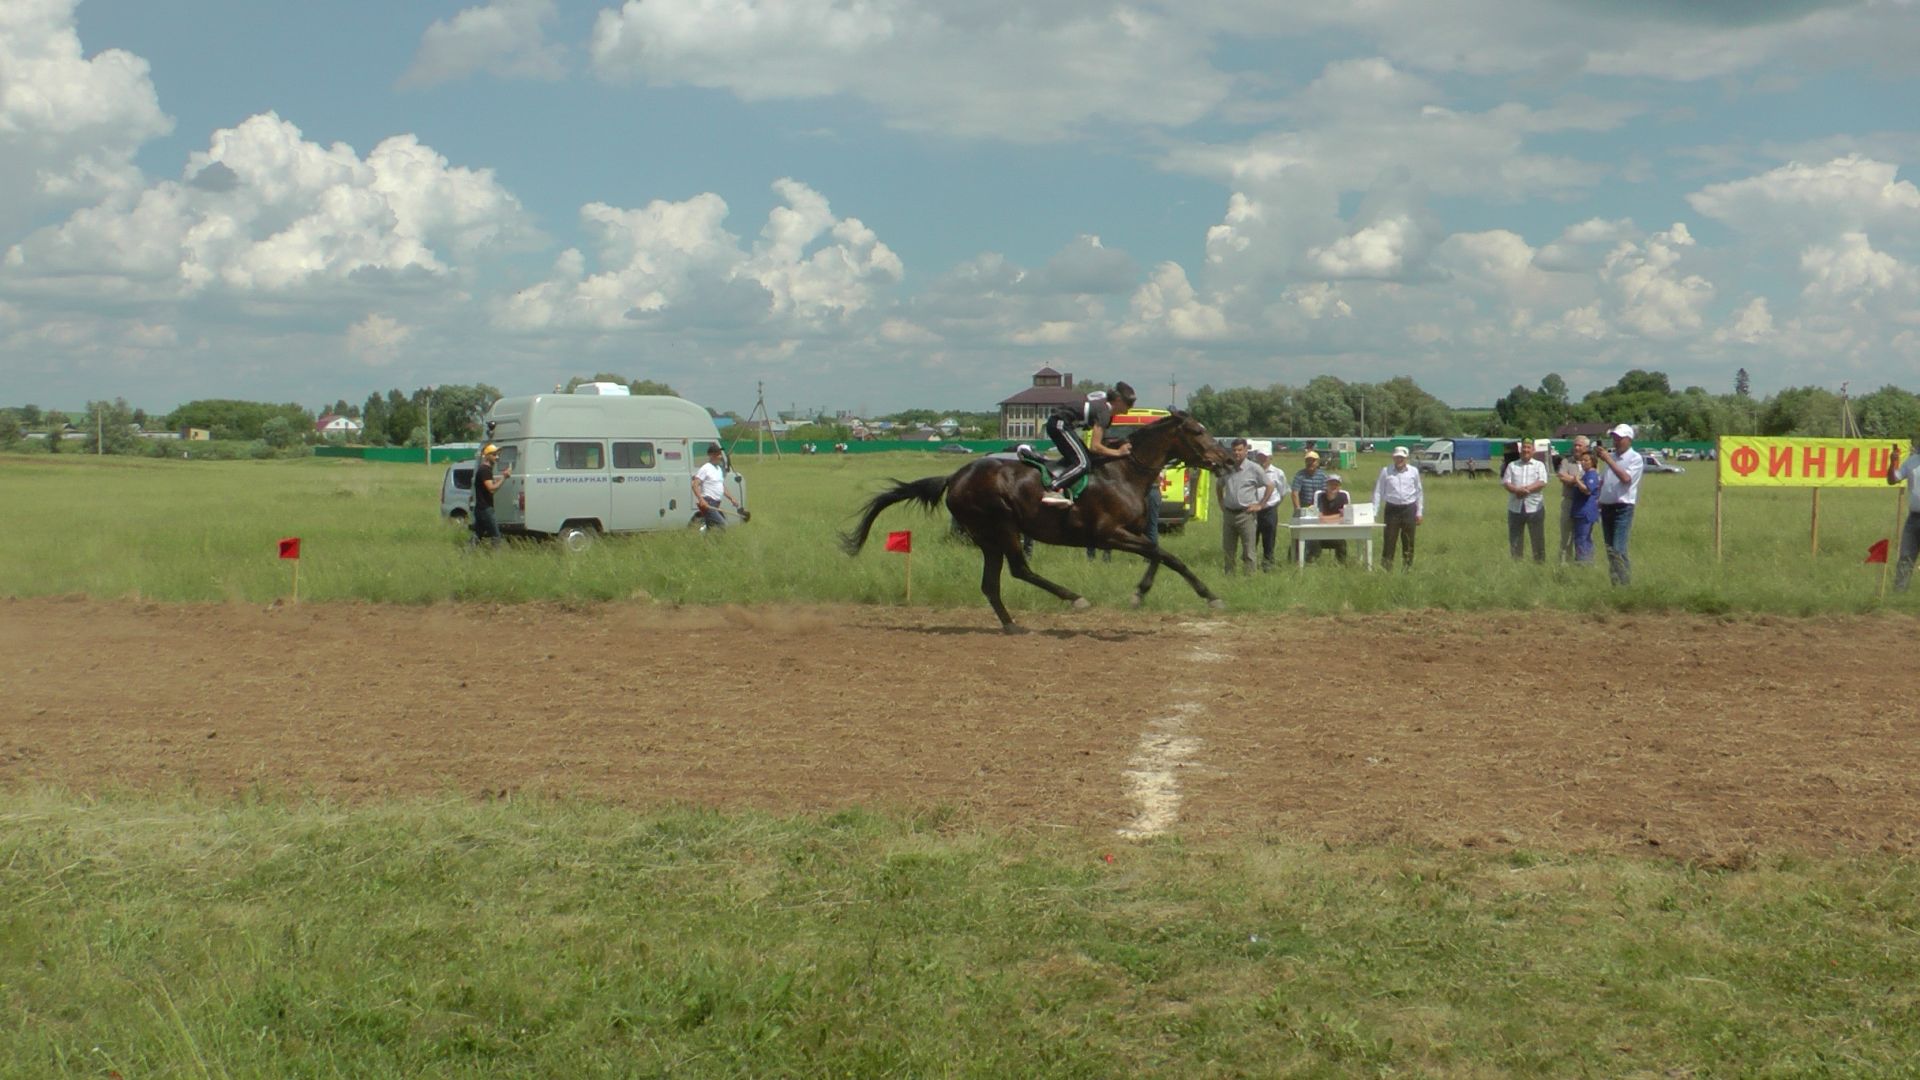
x: 586, y: 464
x: 456, y: 491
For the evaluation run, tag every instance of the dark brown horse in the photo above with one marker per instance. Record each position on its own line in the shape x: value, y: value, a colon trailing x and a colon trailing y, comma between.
x: 995, y: 500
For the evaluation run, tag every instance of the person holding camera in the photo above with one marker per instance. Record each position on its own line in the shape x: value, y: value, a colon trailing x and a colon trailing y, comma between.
x: 1908, y: 470
x: 1619, y: 493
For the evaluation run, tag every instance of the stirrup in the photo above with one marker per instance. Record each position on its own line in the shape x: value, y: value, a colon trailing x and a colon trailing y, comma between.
x: 1055, y: 498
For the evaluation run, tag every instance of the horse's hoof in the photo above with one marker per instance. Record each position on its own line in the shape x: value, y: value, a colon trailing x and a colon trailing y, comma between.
x: 1009, y: 628
x: 1135, y: 600
x: 1081, y: 603
x: 1217, y: 604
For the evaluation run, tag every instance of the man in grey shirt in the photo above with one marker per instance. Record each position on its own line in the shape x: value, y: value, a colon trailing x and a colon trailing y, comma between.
x: 1569, y: 477
x: 1242, y: 490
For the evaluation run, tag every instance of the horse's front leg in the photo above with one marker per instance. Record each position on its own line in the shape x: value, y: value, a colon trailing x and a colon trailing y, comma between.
x: 1155, y: 555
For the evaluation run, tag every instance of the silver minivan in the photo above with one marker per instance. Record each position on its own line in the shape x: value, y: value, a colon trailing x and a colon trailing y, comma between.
x: 456, y: 492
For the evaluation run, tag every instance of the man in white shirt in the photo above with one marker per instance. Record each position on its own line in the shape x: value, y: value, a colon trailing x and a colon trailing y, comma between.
x: 1619, y: 492
x: 1402, y: 502
x: 1525, y: 479
x: 709, y: 487
x: 1909, y: 471
x: 1267, y: 521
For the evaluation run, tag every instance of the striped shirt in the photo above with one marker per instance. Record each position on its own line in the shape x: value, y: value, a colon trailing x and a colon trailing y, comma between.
x: 1306, y: 485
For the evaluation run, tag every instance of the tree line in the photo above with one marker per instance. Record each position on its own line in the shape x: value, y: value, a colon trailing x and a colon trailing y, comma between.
x: 1326, y: 406
x: 1331, y: 407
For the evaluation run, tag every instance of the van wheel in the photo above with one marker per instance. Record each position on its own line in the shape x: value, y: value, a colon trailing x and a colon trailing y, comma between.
x: 576, y: 538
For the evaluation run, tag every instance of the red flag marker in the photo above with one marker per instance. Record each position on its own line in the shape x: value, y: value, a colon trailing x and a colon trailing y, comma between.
x: 290, y: 548
x: 903, y: 543
x: 1878, y: 552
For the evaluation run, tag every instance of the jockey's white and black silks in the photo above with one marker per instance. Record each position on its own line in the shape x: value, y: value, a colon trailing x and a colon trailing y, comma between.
x: 1095, y: 412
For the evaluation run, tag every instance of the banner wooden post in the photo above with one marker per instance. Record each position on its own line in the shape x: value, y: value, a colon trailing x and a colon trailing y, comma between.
x: 1815, y: 551
x: 1894, y: 538
x: 1719, y: 491
x: 296, y: 581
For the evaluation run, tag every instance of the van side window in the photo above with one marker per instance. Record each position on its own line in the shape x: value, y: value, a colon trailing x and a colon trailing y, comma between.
x: 579, y: 455
x: 633, y: 455
x: 463, y: 479
x: 509, y: 459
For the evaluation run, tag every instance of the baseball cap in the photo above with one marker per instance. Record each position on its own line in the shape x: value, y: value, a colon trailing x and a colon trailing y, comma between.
x: 491, y: 449
x: 1623, y: 431
x: 1399, y: 451
x: 1312, y: 456
x: 1334, y: 478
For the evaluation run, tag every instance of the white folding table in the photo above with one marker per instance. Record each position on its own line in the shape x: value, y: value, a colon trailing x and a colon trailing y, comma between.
x: 1303, y: 531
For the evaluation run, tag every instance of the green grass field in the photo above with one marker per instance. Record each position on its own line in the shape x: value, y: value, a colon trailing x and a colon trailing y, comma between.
x: 206, y: 531
x: 156, y: 934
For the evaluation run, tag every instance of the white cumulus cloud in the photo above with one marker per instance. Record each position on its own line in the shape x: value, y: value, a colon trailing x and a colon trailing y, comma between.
x: 671, y: 263
x: 990, y: 68
x: 1850, y: 193
x: 264, y: 210
x: 505, y: 38
x: 69, y: 123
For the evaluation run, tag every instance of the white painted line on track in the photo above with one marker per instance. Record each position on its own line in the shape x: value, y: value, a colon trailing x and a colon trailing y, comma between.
x: 1153, y: 773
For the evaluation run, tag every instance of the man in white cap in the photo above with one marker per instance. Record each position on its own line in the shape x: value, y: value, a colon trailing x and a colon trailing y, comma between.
x: 1267, y: 521
x: 1619, y: 491
x: 1332, y: 502
x: 1402, y: 502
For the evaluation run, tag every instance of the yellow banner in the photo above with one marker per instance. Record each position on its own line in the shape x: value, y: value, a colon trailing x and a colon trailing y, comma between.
x: 1790, y: 461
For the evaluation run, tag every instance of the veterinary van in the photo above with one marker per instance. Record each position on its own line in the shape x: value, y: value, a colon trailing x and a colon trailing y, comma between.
x: 595, y: 463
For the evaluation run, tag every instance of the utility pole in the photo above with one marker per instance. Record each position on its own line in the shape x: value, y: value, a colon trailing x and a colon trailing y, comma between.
x: 1173, y: 391
x: 429, y: 425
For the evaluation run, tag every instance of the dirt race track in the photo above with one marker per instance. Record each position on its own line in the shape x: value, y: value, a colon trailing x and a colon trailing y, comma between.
x: 1713, y: 740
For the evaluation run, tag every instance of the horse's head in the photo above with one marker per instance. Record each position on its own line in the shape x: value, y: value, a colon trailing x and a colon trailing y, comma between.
x: 1188, y: 441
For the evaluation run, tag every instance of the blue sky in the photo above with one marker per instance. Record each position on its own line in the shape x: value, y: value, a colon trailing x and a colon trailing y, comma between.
x: 878, y: 204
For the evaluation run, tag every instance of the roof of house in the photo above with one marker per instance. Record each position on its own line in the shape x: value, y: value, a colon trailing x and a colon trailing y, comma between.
x: 1047, y: 395
x: 1568, y: 431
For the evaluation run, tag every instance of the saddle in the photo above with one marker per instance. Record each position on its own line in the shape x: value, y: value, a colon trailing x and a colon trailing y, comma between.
x: 1051, y: 468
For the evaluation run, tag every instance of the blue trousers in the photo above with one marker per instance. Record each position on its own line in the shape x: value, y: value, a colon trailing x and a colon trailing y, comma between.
x: 1909, y: 551
x: 1616, y: 524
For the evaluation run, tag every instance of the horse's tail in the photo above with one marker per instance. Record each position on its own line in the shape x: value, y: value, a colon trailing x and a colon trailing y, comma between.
x: 927, y: 492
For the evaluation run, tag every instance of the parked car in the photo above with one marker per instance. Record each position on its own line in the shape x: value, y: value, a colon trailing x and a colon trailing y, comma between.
x: 456, y: 491
x: 1683, y: 455
x: 1652, y: 462
x: 953, y: 448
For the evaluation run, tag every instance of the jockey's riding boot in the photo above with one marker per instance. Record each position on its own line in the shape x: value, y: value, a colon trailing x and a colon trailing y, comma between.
x: 1053, y: 497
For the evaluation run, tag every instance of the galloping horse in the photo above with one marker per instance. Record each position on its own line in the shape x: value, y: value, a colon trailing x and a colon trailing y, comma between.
x: 994, y: 500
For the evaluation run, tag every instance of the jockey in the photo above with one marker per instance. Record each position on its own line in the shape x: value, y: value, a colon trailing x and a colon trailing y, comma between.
x: 1097, y: 414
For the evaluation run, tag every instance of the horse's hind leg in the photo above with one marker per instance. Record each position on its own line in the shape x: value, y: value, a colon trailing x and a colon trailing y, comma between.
x: 990, y: 583
x: 1024, y: 571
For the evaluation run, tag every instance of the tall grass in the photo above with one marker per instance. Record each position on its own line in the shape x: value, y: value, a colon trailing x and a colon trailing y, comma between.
x: 144, y: 937
x: 189, y: 530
